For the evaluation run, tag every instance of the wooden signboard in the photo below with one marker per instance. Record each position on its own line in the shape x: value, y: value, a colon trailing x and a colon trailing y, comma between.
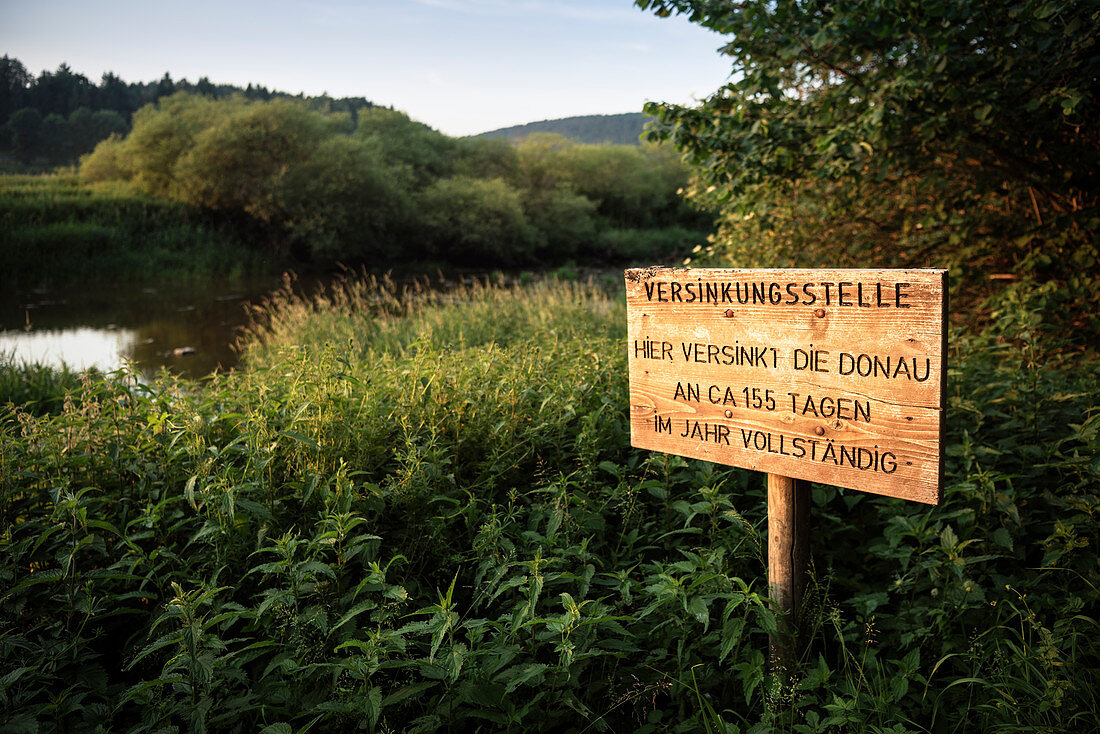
x: 833, y: 376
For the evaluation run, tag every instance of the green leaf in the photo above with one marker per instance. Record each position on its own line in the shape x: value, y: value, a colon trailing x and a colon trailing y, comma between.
x: 12, y: 676
x: 518, y: 675
x: 405, y: 692
x: 372, y: 705
x: 280, y: 727
x: 301, y: 439
x: 354, y: 612
x: 21, y: 724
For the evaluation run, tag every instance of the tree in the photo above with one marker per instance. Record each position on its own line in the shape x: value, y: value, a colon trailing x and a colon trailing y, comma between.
x: 105, y: 123
x: 56, y: 138
x: 206, y: 88
x: 14, y: 83
x: 632, y: 186
x: 110, y: 161
x: 165, y: 87
x: 25, y: 130
x: 346, y: 203
x: 899, y: 132
x: 280, y: 168
x: 402, y: 141
x: 541, y: 160
x: 61, y: 92
x: 115, y: 94
x: 486, y: 158
x: 565, y: 220
x: 81, y: 134
x: 162, y: 133
x: 235, y: 162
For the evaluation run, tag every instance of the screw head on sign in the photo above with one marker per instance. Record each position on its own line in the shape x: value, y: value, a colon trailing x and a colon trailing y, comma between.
x: 820, y: 313
x: 819, y: 431
x: 729, y: 313
x: 729, y: 413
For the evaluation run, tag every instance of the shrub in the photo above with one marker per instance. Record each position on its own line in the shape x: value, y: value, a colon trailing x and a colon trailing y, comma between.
x: 476, y: 222
x: 566, y: 222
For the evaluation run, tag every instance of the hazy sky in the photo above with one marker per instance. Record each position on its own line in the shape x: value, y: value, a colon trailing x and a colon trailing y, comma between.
x: 462, y: 66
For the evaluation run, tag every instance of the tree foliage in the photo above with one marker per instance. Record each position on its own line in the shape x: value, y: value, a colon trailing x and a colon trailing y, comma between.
x: 622, y: 129
x: 473, y: 221
x: 66, y: 93
x: 378, y: 187
x: 897, y: 132
x: 632, y: 185
x: 425, y: 152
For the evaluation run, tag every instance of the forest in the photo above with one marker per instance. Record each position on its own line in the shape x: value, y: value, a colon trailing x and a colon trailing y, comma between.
x: 57, y: 116
x: 624, y: 129
x: 415, y: 507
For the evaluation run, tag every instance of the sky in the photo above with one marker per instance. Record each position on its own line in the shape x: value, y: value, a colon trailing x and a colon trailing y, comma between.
x: 461, y: 66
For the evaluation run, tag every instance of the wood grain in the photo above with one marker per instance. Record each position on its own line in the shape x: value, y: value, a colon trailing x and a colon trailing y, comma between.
x: 788, y: 559
x: 700, y: 356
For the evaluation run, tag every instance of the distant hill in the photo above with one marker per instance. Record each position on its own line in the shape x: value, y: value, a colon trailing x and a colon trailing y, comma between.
x: 622, y: 129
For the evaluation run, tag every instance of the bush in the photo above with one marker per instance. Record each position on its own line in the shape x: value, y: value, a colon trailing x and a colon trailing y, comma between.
x: 294, y: 178
x: 476, y: 222
x: 632, y: 186
x: 107, y: 162
x: 566, y: 222
x: 237, y: 161
x: 666, y: 246
x: 427, y: 154
x: 346, y: 203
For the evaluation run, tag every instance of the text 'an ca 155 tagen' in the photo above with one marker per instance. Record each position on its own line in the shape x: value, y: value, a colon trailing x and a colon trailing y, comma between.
x: 833, y: 376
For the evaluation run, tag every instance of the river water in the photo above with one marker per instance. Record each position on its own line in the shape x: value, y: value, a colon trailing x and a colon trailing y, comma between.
x: 187, y: 328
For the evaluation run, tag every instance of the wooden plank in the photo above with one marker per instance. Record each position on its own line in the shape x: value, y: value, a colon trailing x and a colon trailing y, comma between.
x: 833, y: 376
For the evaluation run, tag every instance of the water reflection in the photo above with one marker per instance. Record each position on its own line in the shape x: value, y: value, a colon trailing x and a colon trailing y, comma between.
x: 188, y: 328
x: 80, y: 348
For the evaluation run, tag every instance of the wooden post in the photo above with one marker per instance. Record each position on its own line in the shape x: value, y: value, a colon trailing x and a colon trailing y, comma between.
x: 788, y: 557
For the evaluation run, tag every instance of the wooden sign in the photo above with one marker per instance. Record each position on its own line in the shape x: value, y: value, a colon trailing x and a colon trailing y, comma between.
x: 833, y: 376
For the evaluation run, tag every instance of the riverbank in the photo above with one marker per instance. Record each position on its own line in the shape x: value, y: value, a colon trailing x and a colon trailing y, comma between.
x: 57, y: 232
x: 420, y: 511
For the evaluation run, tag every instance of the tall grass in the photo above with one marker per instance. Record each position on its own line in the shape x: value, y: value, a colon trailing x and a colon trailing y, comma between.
x: 418, y: 512
x: 56, y: 231
x: 35, y: 388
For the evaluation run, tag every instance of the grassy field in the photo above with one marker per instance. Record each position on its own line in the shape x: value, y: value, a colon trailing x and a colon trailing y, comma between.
x: 419, y: 511
x: 56, y: 231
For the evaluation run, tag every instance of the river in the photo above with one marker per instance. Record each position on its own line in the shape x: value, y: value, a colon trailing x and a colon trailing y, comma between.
x: 187, y: 328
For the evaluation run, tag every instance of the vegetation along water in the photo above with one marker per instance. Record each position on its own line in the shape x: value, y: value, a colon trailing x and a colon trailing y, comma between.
x: 216, y: 183
x: 420, y: 512
x: 417, y: 510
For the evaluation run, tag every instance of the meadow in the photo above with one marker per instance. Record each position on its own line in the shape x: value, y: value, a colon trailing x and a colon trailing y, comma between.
x: 417, y: 510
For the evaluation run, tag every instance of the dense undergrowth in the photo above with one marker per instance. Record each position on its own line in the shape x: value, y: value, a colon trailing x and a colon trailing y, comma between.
x: 420, y: 512
x: 53, y: 229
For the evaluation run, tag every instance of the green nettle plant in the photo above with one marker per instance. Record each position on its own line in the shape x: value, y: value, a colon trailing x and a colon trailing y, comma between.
x: 418, y: 511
